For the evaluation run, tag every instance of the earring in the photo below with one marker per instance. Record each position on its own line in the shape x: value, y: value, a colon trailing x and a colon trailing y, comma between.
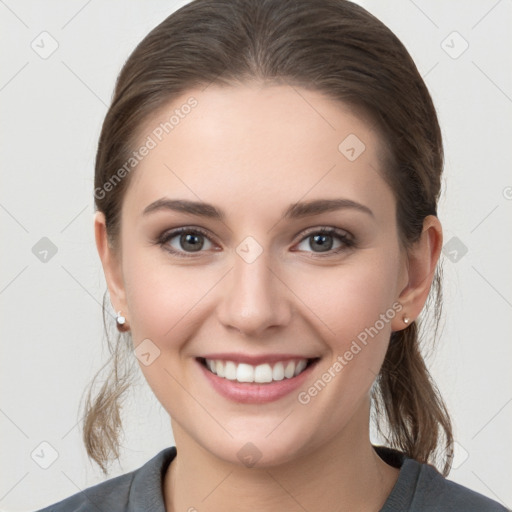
x: 406, y: 319
x: 121, y: 322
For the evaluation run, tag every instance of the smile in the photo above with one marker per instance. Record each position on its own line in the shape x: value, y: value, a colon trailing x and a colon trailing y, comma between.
x: 260, y: 374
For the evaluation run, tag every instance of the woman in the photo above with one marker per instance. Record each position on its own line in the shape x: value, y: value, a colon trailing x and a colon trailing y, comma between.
x: 266, y: 185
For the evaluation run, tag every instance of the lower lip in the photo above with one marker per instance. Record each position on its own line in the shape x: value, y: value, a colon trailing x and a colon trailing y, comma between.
x: 253, y: 393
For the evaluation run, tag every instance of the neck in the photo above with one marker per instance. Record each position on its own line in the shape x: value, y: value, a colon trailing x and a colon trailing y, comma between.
x: 343, y: 474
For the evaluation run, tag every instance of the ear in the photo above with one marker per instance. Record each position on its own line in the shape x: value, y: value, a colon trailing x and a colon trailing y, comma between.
x: 421, y: 263
x: 111, y: 262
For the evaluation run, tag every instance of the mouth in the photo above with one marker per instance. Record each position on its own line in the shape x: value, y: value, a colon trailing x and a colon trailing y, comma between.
x: 264, y: 373
x: 269, y: 379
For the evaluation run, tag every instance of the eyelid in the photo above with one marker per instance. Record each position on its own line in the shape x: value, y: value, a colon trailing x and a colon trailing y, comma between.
x: 327, y: 230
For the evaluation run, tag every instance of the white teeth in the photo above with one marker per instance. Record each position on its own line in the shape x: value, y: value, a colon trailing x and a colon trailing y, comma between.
x: 244, y: 373
x: 262, y: 373
x: 219, y: 368
x: 278, y: 372
x: 230, y: 370
x: 289, y: 370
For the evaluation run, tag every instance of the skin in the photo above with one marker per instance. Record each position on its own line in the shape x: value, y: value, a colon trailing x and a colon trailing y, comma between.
x: 252, y: 150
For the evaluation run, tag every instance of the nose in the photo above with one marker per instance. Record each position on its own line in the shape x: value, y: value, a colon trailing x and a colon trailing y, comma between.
x: 255, y: 298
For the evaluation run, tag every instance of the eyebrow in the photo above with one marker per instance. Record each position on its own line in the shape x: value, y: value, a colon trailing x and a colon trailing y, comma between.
x: 294, y: 211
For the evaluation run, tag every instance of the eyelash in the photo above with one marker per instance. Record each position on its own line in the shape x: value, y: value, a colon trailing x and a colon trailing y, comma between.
x: 345, y: 239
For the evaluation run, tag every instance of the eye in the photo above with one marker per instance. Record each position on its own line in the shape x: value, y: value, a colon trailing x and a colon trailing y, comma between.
x: 324, y: 239
x: 185, y: 241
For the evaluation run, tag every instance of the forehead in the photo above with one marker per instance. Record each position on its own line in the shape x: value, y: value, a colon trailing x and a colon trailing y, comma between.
x: 250, y: 144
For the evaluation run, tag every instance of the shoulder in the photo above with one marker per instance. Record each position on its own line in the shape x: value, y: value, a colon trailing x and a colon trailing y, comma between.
x: 434, y: 492
x: 109, y: 495
x: 421, y: 488
x: 122, y: 493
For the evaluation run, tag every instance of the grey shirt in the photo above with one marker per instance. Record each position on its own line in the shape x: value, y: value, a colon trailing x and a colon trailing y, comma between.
x: 419, y: 488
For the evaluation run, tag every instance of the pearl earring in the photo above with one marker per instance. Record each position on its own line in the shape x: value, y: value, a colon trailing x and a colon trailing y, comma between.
x: 121, y: 322
x: 406, y: 319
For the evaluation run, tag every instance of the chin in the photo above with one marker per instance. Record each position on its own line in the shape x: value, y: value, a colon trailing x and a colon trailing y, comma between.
x: 259, y: 449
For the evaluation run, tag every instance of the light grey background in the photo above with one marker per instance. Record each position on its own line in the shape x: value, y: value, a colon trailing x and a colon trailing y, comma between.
x: 52, y: 333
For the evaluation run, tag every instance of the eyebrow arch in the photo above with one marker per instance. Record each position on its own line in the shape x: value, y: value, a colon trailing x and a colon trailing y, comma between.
x: 294, y: 211
x: 319, y: 206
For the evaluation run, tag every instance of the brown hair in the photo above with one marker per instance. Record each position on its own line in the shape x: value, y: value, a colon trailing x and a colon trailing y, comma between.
x: 332, y: 46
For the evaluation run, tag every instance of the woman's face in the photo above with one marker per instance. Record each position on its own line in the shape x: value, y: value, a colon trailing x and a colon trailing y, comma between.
x: 260, y: 283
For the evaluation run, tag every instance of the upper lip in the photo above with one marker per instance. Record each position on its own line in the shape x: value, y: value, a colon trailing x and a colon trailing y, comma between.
x: 255, y: 359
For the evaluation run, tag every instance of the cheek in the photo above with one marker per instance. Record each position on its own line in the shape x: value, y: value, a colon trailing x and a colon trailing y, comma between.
x: 354, y: 294
x: 161, y: 296
x: 164, y: 302
x: 352, y: 306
